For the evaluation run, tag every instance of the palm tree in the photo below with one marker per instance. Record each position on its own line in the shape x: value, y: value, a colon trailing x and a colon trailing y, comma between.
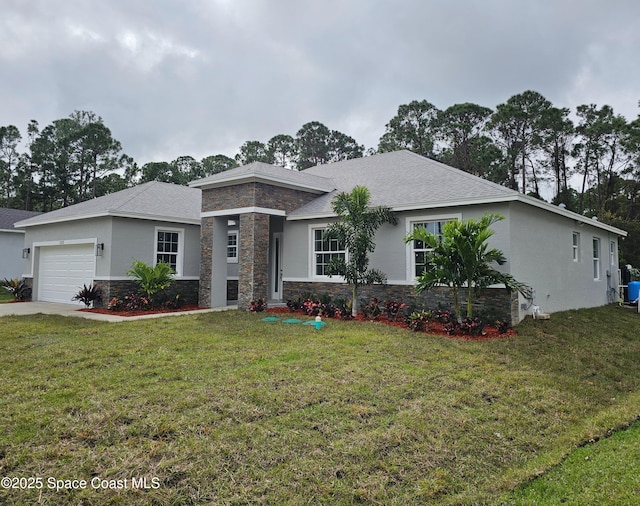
x: 444, y: 268
x: 461, y: 257
x: 356, y: 230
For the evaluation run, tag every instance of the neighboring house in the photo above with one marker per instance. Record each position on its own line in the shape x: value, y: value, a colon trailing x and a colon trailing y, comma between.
x: 95, y: 242
x: 569, y: 260
x: 12, y: 242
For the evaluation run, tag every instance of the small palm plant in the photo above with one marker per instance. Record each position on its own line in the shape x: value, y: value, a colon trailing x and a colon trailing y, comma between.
x: 151, y: 280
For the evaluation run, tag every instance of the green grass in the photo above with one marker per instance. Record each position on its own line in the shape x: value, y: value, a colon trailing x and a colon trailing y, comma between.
x: 223, y: 408
x: 603, y: 472
x: 5, y: 296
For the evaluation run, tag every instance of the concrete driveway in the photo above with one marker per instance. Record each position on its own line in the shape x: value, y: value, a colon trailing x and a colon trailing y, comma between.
x: 27, y: 308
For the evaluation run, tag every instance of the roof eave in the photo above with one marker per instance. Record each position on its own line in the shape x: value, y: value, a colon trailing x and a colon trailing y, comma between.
x: 525, y: 199
x: 515, y: 197
x: 113, y: 214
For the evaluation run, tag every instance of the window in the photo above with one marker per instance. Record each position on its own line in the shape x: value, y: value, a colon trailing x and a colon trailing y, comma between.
x: 169, y: 248
x: 232, y: 247
x: 325, y: 250
x: 576, y: 247
x: 596, y: 258
x: 612, y: 253
x: 421, y: 254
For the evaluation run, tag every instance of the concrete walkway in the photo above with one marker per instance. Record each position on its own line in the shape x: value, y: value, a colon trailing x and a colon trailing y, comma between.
x: 27, y: 308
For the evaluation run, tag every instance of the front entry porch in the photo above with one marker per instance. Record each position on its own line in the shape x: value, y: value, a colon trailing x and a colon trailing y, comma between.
x: 246, y: 247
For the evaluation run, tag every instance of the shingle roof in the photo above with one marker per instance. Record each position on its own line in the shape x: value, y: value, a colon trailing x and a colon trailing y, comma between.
x: 402, y: 179
x: 153, y: 200
x: 258, y: 171
x: 8, y: 217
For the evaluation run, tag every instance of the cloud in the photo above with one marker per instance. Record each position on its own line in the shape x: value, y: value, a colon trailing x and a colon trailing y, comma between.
x: 201, y: 77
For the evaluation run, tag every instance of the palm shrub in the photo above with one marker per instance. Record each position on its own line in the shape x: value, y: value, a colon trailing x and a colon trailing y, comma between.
x: 356, y: 228
x: 461, y: 257
x: 151, y: 280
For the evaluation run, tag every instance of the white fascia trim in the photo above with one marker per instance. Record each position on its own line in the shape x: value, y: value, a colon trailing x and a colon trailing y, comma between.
x: 256, y: 178
x: 102, y: 214
x: 154, y: 217
x: 516, y: 197
x: 420, y: 206
x: 10, y: 231
x: 525, y: 199
x: 48, y: 221
x: 452, y: 203
x: 314, y: 216
x: 243, y: 210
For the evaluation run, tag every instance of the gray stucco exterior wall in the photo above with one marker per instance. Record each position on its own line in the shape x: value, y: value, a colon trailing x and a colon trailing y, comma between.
x: 124, y: 239
x: 542, y: 256
x: 11, y: 245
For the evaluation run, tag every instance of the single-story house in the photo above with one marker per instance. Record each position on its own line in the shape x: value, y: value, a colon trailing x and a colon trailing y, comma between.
x: 95, y: 242
x: 570, y: 261
x: 12, y: 242
x: 257, y: 231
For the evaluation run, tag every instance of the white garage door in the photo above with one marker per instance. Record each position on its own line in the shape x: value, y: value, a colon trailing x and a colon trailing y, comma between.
x: 63, y: 270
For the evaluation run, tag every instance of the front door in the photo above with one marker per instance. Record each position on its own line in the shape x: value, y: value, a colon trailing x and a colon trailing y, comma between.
x: 276, y: 267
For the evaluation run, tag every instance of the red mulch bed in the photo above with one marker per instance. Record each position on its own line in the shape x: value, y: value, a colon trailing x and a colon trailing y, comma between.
x: 435, y: 328
x: 140, y: 312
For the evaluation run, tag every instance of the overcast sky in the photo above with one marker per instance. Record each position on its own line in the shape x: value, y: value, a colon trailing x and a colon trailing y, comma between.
x: 200, y: 77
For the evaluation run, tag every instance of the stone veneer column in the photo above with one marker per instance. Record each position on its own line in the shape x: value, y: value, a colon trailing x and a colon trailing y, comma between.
x: 206, y: 245
x: 253, y: 261
x: 213, y: 262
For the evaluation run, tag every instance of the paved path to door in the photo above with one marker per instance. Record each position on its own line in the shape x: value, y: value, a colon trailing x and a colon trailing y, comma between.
x: 27, y: 308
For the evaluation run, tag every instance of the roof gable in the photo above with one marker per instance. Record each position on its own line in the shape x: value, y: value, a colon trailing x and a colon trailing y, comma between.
x: 271, y: 174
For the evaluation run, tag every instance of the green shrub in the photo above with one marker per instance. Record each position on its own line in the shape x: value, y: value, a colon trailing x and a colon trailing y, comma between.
x: 151, y: 280
x: 258, y: 305
x: 16, y: 287
x: 88, y: 295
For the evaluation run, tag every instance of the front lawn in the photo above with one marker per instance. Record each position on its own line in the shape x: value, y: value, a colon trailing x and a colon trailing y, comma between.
x: 5, y: 296
x: 224, y: 408
x: 605, y: 472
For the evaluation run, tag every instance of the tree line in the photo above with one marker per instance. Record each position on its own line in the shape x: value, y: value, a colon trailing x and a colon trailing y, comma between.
x: 524, y: 143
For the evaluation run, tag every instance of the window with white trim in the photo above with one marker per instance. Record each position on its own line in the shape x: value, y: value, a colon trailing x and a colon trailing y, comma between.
x: 613, y: 249
x: 596, y: 258
x: 232, y: 247
x: 420, y: 253
x: 576, y: 246
x: 325, y: 250
x: 168, y: 248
